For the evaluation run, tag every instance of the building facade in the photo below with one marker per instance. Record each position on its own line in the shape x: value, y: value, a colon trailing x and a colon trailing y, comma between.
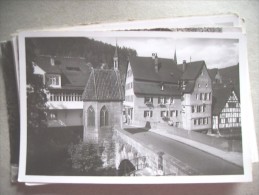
x: 197, y: 97
x: 159, y: 92
x: 65, y: 79
x: 226, y: 109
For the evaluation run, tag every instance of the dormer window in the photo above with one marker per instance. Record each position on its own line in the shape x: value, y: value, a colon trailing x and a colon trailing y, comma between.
x: 162, y: 86
x: 52, y: 62
x: 73, y: 68
x: 53, y: 80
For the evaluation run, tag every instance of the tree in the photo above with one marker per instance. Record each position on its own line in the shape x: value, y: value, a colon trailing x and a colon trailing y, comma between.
x: 84, y: 158
x: 36, y: 92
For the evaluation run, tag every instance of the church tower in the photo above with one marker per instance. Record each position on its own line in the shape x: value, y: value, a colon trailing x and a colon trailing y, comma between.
x: 116, y: 59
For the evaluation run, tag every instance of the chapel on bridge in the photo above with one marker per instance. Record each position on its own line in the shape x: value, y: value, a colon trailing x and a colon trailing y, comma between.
x: 102, y: 102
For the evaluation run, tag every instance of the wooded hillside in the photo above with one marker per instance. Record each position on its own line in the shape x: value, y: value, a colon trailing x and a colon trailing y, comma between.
x: 95, y: 52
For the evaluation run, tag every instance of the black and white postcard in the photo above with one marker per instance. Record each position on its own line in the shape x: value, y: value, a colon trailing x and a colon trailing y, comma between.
x: 133, y: 107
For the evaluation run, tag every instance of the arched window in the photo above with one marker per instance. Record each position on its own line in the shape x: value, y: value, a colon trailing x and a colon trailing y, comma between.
x: 104, y: 117
x: 90, y: 117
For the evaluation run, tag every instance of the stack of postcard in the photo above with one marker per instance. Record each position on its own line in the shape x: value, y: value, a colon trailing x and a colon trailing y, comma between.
x: 128, y: 102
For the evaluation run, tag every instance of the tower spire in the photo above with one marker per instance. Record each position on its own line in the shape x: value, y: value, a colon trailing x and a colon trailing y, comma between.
x: 175, y: 57
x: 115, y: 58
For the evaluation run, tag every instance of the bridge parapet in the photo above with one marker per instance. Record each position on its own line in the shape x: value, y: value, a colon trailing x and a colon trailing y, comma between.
x: 159, y: 162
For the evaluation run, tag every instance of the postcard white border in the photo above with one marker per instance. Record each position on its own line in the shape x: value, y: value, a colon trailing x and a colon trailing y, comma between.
x: 246, y: 106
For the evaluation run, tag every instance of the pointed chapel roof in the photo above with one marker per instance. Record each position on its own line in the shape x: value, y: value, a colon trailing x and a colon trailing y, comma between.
x: 103, y: 85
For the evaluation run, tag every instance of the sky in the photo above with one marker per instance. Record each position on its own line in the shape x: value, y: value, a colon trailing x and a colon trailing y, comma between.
x: 217, y: 53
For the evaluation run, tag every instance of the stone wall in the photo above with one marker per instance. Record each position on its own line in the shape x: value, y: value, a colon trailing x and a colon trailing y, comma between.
x: 114, y: 117
x: 70, y: 117
x: 160, y: 163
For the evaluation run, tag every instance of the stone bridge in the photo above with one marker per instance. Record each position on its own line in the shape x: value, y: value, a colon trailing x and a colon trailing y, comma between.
x: 136, y: 158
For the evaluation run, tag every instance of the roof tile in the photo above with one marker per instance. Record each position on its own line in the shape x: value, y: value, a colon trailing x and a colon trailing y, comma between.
x: 103, y: 85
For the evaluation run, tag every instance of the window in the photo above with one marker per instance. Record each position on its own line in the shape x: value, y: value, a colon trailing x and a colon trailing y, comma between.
x: 104, y: 117
x: 198, y: 109
x: 52, y: 79
x: 199, y: 85
x: 206, y: 85
x: 90, y: 117
x: 148, y: 100
x: 197, y: 96
x: 148, y: 113
x: 164, y: 113
x: 73, y: 68
x: 201, y: 121
x: 161, y: 100
x: 205, y: 121
x: 203, y: 108
x: 168, y: 100
x: 222, y: 121
x: 173, y: 113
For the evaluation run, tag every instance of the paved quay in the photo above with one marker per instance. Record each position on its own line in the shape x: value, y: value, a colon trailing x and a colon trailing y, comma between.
x: 204, y: 162
x: 232, y: 157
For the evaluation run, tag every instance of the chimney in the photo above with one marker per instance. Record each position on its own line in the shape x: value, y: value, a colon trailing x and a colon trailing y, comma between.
x: 154, y: 56
x: 156, y: 62
x: 184, y: 65
x: 52, y: 61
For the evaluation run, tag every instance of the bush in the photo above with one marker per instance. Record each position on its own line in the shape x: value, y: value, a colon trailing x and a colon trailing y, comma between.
x: 85, y: 158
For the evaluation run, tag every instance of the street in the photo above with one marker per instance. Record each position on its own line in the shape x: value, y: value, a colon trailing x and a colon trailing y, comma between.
x: 204, y: 163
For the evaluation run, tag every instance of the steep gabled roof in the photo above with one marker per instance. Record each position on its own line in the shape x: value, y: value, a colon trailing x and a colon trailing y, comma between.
x: 143, y: 68
x: 74, y: 71
x: 154, y: 88
x: 44, y: 63
x: 213, y: 72
x: 103, y: 85
x: 189, y: 86
x: 192, y: 70
x: 220, y: 98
